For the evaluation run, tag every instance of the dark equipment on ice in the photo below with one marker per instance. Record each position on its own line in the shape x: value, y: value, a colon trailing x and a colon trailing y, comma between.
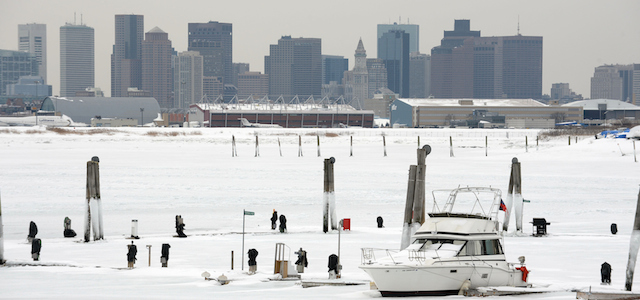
x: 274, y: 219
x: 614, y: 228
x: 36, y: 245
x: 333, y: 266
x: 180, y: 226
x: 131, y: 255
x: 605, y: 273
x: 164, y: 258
x: 68, y: 232
x: 33, y: 230
x: 253, y: 264
x: 301, y: 263
x: 540, y: 225
x: 283, y: 223
x: 379, y: 220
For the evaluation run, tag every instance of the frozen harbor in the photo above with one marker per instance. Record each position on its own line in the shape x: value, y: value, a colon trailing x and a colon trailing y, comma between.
x: 151, y: 175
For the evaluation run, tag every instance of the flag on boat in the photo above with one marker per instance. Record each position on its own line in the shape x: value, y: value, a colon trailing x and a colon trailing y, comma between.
x: 503, y: 207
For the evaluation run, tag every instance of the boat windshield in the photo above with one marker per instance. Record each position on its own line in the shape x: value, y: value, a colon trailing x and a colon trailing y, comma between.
x: 437, y: 244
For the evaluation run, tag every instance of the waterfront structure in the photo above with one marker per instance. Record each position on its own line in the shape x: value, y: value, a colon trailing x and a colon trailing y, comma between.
x: 412, y: 29
x: 13, y: 65
x: 157, y: 77
x: 126, y: 60
x: 77, y: 59
x: 187, y: 78
x: 393, y: 49
x: 294, y: 66
x: 466, y: 65
x: 214, y: 41
x: 32, y: 38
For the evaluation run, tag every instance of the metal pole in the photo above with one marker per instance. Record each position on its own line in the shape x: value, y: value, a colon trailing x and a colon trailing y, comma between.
x: 231, y: 259
x: 243, y: 239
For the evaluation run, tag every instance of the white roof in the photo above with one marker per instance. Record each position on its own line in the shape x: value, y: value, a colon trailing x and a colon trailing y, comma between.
x: 611, y: 104
x: 472, y: 102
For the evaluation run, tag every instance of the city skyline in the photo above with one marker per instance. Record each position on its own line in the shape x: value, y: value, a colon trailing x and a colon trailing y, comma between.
x: 579, y: 35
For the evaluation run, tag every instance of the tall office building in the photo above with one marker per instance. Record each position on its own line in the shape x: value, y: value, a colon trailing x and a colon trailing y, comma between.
x: 333, y: 67
x: 356, y: 83
x: 420, y: 75
x: 157, y: 76
x: 617, y: 82
x: 377, y: 75
x: 253, y: 84
x: 13, y: 65
x: 126, y: 60
x: 187, y: 78
x: 77, y: 59
x: 32, y: 38
x: 412, y: 29
x: 294, y: 67
x: 214, y: 41
x: 466, y: 65
x: 393, y: 49
x: 238, y: 68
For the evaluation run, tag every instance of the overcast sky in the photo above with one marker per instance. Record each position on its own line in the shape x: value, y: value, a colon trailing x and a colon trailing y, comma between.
x: 579, y: 35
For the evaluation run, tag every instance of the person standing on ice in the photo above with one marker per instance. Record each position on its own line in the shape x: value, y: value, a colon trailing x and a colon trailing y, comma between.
x: 283, y: 223
x: 131, y: 255
x: 33, y: 230
x: 180, y: 226
x: 274, y: 219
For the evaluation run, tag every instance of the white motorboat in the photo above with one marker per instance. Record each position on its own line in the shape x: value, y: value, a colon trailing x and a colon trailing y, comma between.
x: 451, y: 251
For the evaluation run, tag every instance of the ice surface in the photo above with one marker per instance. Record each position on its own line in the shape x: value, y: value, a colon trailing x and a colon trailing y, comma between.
x: 154, y: 174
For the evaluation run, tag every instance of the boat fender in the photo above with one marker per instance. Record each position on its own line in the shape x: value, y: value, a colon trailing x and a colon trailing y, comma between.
x: 465, y: 287
x: 525, y: 272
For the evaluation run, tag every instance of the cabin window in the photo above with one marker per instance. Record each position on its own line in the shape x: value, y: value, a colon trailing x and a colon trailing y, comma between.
x: 482, y: 247
x: 435, y: 244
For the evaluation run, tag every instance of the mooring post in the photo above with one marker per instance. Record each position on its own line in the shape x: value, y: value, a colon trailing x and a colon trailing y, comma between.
x: 634, y: 153
x: 318, y: 137
x: 233, y: 146
x: 279, y: 148
x: 231, y: 259
x: 299, y: 146
x: 384, y: 145
x: 569, y: 140
x: 414, y: 215
x: 149, y: 247
x: 93, y: 200
x: 1, y: 237
x: 537, y: 138
x: 328, y: 211
x: 418, y: 141
x: 351, y: 147
x: 526, y: 143
x: 486, y: 145
x: 450, y: 146
x: 257, y: 148
x: 633, y: 248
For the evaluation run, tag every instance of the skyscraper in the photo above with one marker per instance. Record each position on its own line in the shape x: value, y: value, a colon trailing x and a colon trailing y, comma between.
x: 420, y: 75
x: 377, y: 74
x: 294, y: 67
x: 156, y: 66
x: 13, y: 65
x: 333, y: 67
x: 238, y: 68
x: 393, y: 49
x: 466, y: 65
x: 412, y: 29
x: 126, y: 60
x: 214, y: 41
x: 187, y: 78
x: 77, y: 59
x: 32, y: 38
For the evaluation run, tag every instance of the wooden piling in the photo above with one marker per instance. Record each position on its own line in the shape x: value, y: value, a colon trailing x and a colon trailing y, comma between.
x: 234, y: 153
x: 486, y: 145
x: 384, y: 145
x: 299, y: 146
x: 257, y: 148
x: 351, y: 147
x: 93, y: 193
x: 569, y: 140
x: 526, y: 143
x: 634, y: 153
x: 231, y: 259
x: 328, y: 189
x: 450, y: 146
x: 418, y: 141
x: 279, y: 147
x: 317, y: 136
x: 633, y: 248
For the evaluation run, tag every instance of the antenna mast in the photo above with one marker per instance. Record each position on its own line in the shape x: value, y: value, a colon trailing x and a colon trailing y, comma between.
x: 518, y: 24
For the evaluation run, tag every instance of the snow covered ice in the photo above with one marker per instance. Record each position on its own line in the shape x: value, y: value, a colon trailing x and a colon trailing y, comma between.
x: 153, y: 174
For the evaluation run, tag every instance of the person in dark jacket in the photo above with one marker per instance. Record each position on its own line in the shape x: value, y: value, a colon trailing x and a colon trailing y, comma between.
x: 180, y: 226
x: 68, y: 232
x: 253, y: 264
x: 36, y: 245
x: 333, y: 266
x: 301, y: 263
x: 274, y: 219
x: 605, y: 273
x: 283, y: 223
x: 131, y: 255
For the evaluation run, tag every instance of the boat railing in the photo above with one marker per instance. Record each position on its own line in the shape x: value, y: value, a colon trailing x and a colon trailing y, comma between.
x: 369, y: 255
x: 417, y: 255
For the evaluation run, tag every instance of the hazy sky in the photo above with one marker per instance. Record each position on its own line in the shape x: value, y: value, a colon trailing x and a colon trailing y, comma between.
x: 578, y: 35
